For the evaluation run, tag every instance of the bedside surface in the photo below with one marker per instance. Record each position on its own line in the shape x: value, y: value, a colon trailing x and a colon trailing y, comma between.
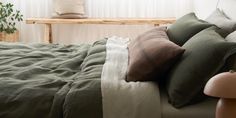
x: 205, y: 109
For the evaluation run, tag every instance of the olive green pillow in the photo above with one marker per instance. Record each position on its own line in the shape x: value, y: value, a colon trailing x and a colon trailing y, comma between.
x: 205, y: 54
x: 186, y: 27
x: 231, y: 61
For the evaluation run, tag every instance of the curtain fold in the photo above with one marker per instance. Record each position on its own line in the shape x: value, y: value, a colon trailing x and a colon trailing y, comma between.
x: 67, y: 34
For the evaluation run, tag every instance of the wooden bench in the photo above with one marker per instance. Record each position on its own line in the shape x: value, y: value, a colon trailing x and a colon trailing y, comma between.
x: 49, y: 21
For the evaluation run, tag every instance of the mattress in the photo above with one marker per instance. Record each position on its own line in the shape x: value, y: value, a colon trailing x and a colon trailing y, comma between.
x: 205, y: 109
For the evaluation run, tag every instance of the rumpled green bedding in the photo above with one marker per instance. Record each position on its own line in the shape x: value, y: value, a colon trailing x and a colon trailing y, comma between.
x: 51, y: 81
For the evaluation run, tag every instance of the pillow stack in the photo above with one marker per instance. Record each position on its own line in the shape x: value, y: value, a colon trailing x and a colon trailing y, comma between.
x: 203, y: 53
x: 220, y: 19
x: 69, y: 9
x: 206, y: 53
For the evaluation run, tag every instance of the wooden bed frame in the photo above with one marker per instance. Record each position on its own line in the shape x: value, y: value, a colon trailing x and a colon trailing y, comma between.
x: 49, y: 21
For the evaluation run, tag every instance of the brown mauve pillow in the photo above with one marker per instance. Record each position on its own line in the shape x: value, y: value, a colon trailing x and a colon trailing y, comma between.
x: 151, y: 54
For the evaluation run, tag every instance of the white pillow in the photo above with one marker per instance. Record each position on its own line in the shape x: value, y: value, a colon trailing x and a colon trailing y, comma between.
x: 231, y: 37
x: 69, y: 8
x: 220, y: 19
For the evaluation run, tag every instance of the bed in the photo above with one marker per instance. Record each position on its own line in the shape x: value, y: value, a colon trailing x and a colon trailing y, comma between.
x: 55, y: 81
x: 82, y: 81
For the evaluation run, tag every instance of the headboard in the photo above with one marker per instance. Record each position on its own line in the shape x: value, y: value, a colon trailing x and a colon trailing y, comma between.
x: 229, y: 7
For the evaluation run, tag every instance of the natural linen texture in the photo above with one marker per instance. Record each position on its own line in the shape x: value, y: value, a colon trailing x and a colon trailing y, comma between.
x: 186, y: 27
x: 205, y: 54
x: 69, y: 9
x: 151, y: 55
x: 74, y: 81
x: 123, y: 99
x: 231, y: 61
x: 51, y: 81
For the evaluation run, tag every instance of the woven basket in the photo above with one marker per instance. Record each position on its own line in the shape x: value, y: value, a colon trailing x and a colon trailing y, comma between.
x: 14, y: 37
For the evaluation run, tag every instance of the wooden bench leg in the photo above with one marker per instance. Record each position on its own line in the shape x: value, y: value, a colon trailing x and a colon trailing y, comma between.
x: 48, y: 33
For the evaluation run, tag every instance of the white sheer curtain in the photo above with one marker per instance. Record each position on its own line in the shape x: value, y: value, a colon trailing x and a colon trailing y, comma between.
x: 67, y: 34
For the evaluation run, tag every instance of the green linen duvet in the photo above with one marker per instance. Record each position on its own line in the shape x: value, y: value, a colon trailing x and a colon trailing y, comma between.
x: 73, y: 81
x: 51, y: 81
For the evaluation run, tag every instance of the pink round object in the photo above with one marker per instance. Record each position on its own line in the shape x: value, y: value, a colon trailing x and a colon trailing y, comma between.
x: 222, y: 85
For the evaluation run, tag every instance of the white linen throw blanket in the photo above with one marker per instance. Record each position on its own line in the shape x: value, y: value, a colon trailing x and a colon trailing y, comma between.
x: 123, y: 99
